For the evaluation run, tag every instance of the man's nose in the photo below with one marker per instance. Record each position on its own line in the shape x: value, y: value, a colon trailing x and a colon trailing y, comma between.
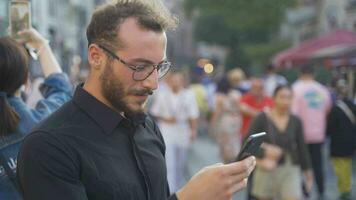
x: 151, y: 82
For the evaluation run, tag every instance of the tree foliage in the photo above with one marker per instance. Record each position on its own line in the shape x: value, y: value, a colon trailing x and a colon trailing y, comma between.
x: 237, y: 24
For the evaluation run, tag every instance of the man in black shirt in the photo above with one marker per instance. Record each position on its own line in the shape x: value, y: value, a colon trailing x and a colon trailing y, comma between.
x: 101, y: 145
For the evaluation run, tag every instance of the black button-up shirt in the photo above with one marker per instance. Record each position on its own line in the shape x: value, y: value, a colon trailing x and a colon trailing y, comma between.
x: 87, y: 151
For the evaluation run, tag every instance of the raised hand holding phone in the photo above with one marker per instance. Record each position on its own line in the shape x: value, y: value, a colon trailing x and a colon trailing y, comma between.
x: 221, y: 181
x: 19, y: 21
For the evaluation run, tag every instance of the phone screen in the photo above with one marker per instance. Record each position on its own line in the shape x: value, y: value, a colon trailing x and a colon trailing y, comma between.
x: 251, y: 145
x: 20, y: 16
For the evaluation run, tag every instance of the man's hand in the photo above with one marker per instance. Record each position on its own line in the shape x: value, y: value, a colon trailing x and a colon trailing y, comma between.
x: 218, y: 182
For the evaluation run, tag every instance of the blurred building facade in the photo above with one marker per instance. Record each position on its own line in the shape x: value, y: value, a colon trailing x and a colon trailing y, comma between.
x: 182, y: 47
x: 62, y: 22
x: 3, y: 16
x: 314, y: 17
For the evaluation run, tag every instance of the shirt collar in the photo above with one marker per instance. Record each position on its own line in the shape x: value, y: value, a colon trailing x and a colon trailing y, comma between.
x: 103, y: 115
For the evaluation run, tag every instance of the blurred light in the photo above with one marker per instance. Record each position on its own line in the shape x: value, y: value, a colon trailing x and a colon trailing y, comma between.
x: 208, y: 68
x: 202, y: 62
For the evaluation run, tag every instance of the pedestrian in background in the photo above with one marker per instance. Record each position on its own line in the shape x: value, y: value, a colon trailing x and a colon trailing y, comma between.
x: 16, y: 118
x: 236, y: 76
x: 252, y: 103
x: 226, y: 119
x: 284, y: 153
x: 272, y: 80
x: 176, y: 112
x: 341, y: 128
x: 312, y: 103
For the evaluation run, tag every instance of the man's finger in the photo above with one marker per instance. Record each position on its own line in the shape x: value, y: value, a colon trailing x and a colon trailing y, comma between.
x: 238, y: 186
x: 241, y: 166
x: 238, y: 177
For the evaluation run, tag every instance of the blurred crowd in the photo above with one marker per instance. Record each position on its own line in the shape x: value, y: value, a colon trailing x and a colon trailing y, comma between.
x: 302, y: 119
x: 299, y: 119
x: 308, y: 125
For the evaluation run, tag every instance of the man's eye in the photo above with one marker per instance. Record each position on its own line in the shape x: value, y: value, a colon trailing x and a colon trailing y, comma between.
x: 142, y: 67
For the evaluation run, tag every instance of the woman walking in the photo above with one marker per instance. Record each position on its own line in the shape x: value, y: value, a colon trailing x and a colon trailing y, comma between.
x: 284, y: 154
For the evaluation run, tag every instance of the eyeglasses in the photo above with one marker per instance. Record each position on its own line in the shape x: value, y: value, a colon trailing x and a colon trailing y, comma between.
x: 143, y: 71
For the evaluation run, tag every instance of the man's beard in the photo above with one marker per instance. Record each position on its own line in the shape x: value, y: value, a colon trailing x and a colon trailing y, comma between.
x: 114, y: 92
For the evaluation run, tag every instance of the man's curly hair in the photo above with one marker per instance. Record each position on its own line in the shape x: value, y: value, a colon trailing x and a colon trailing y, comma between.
x: 107, y: 18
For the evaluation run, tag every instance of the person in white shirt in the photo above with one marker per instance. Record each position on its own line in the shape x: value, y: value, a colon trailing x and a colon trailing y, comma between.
x: 272, y: 80
x: 176, y: 112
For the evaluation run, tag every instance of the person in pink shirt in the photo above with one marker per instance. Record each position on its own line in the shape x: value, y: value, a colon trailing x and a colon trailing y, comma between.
x: 312, y: 103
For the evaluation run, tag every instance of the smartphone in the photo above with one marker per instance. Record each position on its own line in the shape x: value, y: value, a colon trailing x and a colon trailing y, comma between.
x: 20, y: 16
x: 251, y: 146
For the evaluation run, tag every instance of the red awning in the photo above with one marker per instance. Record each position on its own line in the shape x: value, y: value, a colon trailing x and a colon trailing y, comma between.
x: 330, y: 45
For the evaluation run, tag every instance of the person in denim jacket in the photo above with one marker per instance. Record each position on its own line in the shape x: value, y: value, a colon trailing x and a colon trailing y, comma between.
x: 16, y: 118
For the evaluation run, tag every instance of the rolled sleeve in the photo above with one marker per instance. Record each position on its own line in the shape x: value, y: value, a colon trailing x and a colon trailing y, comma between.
x: 56, y: 91
x: 56, y: 83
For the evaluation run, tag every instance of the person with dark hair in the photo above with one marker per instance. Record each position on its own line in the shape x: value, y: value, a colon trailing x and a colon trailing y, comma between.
x: 312, y: 103
x: 271, y: 80
x: 223, y: 85
x: 16, y: 118
x: 252, y: 103
x: 306, y: 70
x: 341, y: 128
x: 101, y: 145
x: 225, y: 120
x: 284, y: 153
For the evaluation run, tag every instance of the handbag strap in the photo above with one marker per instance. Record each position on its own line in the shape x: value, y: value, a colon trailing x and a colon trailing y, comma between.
x: 269, y: 128
x: 343, y: 106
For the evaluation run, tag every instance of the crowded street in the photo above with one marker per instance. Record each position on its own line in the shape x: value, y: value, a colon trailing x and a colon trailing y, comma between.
x: 177, y: 100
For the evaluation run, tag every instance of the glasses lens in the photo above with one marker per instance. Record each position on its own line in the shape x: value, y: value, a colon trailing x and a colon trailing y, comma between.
x: 141, y: 73
x: 163, y: 69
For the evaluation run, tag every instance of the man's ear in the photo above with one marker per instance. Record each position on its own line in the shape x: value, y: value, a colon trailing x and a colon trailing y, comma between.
x: 95, y: 57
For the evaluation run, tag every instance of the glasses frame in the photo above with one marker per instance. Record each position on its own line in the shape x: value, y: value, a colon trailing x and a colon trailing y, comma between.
x: 136, y: 68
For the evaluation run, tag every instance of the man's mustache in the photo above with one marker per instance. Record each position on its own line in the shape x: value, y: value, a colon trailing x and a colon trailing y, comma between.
x: 142, y: 92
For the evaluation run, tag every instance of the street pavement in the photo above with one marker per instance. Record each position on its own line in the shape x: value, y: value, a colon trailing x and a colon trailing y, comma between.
x: 204, y: 152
